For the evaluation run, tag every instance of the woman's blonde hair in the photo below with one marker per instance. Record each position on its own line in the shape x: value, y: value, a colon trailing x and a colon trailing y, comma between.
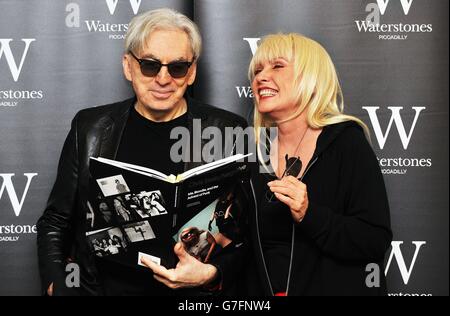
x: 317, y: 85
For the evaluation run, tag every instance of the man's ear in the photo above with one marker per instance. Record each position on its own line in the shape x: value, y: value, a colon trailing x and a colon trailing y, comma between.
x: 192, y: 74
x: 126, y: 64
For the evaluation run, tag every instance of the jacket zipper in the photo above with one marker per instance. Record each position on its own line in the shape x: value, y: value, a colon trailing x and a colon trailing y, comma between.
x: 293, y: 236
x: 292, y: 242
x: 259, y: 241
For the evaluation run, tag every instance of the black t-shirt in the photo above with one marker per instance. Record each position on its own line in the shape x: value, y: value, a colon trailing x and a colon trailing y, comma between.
x: 147, y: 144
x: 276, y: 233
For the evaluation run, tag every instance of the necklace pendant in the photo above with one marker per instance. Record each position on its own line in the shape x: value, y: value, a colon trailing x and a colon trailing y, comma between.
x: 293, y: 166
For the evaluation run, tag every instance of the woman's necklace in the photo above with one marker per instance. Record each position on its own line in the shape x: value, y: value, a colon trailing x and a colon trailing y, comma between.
x: 293, y: 168
x: 294, y: 164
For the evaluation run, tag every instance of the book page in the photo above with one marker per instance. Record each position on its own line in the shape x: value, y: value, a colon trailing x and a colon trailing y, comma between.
x: 141, y: 170
x: 210, y: 166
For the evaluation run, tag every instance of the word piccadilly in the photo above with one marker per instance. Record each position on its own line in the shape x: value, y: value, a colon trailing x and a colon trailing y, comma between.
x: 9, y: 239
x: 7, y: 103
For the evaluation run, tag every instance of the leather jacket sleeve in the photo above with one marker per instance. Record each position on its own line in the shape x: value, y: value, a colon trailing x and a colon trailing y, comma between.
x: 54, y: 226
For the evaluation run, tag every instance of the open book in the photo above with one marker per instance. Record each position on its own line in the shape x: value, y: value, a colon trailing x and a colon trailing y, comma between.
x: 135, y: 211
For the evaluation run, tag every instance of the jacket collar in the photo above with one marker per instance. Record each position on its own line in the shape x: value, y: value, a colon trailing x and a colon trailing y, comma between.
x: 195, y: 109
x: 330, y: 133
x: 114, y: 127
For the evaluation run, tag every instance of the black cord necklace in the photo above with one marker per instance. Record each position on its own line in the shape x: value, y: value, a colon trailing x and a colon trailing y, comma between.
x: 294, y: 164
x: 293, y: 167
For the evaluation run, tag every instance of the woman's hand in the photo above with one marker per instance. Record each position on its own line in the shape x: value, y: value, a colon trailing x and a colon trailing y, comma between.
x: 188, y: 273
x: 293, y: 193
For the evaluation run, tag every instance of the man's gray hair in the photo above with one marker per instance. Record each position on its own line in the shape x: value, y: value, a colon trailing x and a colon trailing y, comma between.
x: 144, y: 24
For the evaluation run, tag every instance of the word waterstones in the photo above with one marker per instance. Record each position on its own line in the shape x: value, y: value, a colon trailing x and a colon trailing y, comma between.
x: 244, y: 92
x: 366, y: 26
x: 18, y: 229
x: 98, y: 26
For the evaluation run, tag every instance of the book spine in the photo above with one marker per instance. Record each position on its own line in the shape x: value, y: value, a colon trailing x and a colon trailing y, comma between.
x: 177, y: 194
x: 176, y: 205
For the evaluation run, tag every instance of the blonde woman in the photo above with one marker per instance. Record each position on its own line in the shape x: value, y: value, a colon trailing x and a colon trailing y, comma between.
x: 323, y: 214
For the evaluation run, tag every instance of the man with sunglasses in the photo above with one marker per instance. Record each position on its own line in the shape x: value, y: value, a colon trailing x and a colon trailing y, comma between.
x: 160, y: 61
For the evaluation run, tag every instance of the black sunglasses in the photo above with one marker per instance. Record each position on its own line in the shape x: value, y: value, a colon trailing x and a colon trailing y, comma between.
x: 151, y: 68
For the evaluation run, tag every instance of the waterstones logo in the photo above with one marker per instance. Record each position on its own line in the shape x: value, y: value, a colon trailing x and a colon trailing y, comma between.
x: 112, y: 4
x: 12, y: 233
x: 14, y: 54
x: 7, y: 187
x: 396, y: 258
x: 390, y: 31
x: 246, y: 91
x: 114, y: 31
x: 397, y: 165
x: 5, y: 50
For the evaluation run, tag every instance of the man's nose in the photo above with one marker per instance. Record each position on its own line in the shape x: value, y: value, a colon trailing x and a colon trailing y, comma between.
x: 163, y: 77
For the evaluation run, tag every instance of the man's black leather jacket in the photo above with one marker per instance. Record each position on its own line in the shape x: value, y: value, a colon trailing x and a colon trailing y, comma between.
x: 61, y: 231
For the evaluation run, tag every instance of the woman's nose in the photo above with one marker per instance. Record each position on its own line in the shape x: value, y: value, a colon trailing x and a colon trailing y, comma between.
x: 262, y: 76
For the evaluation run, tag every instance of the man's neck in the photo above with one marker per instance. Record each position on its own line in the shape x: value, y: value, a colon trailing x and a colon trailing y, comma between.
x: 162, y: 116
